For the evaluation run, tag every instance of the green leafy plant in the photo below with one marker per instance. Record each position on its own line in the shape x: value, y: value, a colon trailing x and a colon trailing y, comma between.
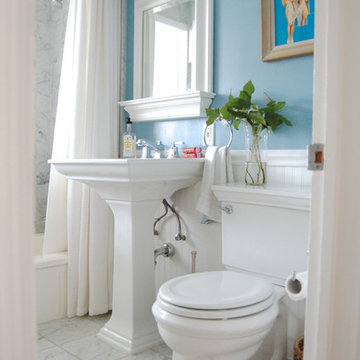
x: 241, y: 108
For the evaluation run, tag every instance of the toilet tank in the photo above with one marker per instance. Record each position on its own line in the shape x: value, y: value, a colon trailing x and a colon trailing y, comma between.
x: 267, y: 231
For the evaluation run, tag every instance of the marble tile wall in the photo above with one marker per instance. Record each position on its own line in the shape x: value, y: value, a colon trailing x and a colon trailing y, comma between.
x: 49, y: 41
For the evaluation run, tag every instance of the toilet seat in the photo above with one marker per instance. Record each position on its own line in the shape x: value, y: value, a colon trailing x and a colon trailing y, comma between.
x: 216, y: 314
x: 215, y: 295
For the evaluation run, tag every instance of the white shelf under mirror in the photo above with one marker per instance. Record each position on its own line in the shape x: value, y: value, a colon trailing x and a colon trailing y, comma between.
x: 187, y: 105
x: 173, y: 73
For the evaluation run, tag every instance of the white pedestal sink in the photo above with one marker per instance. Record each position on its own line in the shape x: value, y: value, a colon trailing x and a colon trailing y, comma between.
x: 133, y: 188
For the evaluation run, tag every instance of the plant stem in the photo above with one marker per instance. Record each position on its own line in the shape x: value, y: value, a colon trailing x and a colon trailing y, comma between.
x: 254, y: 148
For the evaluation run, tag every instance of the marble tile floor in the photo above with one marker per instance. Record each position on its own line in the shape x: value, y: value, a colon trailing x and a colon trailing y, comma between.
x: 75, y: 339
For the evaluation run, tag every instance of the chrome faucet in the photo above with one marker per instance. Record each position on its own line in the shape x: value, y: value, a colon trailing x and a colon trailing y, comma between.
x: 166, y: 250
x: 147, y: 145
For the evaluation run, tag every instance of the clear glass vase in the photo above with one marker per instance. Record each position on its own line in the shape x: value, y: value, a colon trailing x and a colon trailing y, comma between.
x: 255, y: 165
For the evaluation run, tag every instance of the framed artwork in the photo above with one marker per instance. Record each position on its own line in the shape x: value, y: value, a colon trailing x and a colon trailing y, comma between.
x: 287, y: 28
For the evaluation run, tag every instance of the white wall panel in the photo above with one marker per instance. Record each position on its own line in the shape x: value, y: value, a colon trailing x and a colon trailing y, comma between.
x: 17, y: 286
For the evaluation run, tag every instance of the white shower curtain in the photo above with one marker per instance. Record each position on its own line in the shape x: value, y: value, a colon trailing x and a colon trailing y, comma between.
x: 77, y: 220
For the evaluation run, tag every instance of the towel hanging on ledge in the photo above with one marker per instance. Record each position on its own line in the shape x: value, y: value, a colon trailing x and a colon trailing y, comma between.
x: 217, y: 170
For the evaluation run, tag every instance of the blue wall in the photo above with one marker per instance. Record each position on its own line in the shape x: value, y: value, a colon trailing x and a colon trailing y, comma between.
x: 237, y: 59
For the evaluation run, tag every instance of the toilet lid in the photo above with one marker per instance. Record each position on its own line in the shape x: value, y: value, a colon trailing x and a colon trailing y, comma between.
x: 216, y: 290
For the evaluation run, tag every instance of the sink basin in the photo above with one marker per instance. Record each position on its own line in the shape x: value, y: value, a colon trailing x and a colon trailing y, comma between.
x: 133, y: 179
x: 134, y: 189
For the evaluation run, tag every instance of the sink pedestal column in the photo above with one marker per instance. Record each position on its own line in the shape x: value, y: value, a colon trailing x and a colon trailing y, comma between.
x: 132, y: 326
x: 134, y: 189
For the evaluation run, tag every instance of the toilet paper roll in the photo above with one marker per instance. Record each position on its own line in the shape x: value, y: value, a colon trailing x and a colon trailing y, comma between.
x: 297, y: 288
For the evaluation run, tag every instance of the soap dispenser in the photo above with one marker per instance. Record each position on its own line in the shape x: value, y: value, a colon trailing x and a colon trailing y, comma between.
x: 129, y: 141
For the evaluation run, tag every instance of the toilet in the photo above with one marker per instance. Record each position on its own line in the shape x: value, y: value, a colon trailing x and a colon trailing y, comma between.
x: 219, y: 314
x: 228, y: 315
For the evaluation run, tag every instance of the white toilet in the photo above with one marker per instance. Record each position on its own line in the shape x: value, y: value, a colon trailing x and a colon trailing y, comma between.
x: 226, y: 315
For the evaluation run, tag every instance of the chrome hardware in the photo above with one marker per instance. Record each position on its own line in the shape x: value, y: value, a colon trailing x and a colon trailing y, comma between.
x: 315, y: 157
x: 166, y: 250
x: 225, y: 122
x: 178, y: 236
x: 174, y: 151
x: 193, y: 261
x: 209, y: 135
x: 145, y: 152
x: 205, y: 220
x: 293, y: 278
x: 147, y: 145
x: 228, y: 209
x: 165, y: 203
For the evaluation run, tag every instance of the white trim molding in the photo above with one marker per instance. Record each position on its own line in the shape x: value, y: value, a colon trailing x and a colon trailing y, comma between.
x: 17, y: 276
x: 188, y: 105
x: 332, y: 327
x: 176, y: 106
x: 289, y: 197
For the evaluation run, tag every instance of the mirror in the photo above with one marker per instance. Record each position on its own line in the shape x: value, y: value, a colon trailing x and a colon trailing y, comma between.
x: 173, y: 59
x: 169, y: 59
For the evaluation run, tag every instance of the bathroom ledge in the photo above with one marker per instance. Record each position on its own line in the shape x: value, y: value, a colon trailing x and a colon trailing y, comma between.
x: 188, y: 105
x: 51, y: 260
x: 276, y: 195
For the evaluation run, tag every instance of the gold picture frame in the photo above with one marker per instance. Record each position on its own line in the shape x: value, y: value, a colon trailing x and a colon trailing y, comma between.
x: 269, y: 50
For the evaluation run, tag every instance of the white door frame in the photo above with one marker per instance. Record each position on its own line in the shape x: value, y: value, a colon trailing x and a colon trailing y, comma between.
x: 17, y: 285
x: 332, y: 326
x: 333, y: 314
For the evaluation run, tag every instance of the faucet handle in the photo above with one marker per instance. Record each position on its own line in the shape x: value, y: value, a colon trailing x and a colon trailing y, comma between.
x: 166, y: 250
x: 174, y: 151
x: 160, y: 145
x: 159, y: 153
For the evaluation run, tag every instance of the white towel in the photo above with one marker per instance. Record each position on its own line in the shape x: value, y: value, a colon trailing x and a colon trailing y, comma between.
x: 217, y: 170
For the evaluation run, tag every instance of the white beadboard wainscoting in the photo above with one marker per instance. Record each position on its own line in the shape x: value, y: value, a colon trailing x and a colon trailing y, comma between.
x: 284, y: 167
